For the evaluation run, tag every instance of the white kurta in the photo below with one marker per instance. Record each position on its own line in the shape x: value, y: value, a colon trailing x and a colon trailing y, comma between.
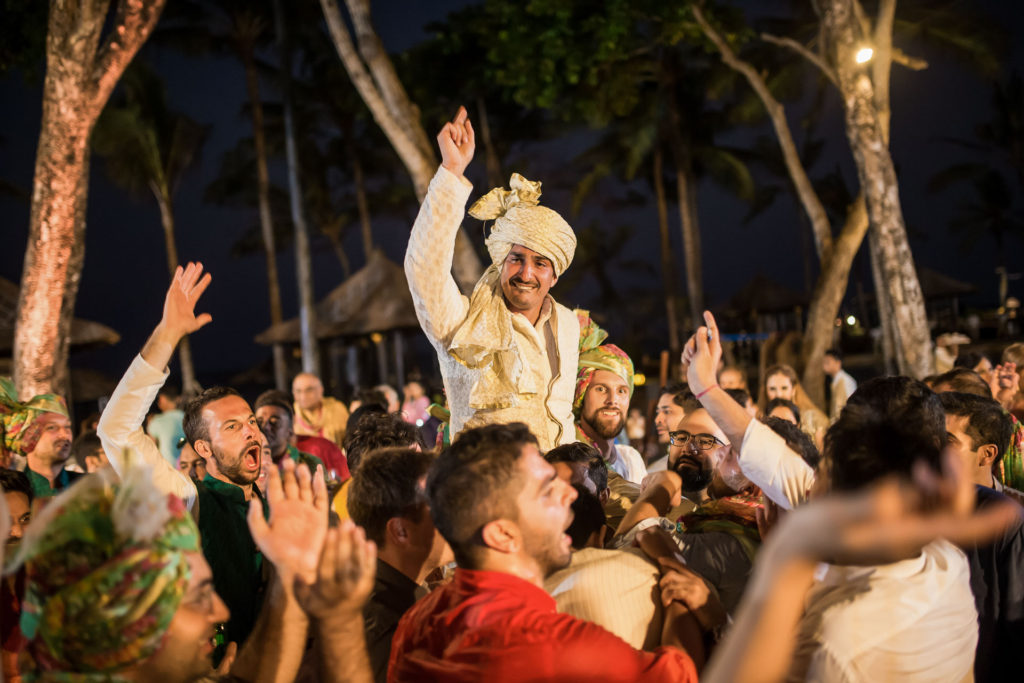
x: 549, y: 350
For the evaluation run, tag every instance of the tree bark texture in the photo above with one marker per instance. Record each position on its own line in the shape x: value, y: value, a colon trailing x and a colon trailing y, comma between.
x: 374, y: 78
x: 667, y: 266
x: 80, y: 75
x: 259, y: 138
x: 868, y: 141
x: 828, y: 297
x: 777, y: 115
x: 303, y: 257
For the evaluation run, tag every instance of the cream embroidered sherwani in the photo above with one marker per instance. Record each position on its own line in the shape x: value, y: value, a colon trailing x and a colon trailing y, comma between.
x: 548, y: 351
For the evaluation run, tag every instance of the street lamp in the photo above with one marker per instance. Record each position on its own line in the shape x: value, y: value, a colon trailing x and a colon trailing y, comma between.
x: 864, y: 55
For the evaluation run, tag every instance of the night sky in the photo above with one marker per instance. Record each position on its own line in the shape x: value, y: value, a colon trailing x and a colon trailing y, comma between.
x: 125, y: 272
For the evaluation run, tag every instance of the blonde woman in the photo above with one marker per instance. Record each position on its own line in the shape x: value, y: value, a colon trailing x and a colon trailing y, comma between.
x: 781, y: 381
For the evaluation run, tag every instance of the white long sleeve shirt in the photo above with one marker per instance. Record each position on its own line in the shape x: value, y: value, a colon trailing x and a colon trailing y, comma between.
x: 549, y: 350
x: 120, y: 428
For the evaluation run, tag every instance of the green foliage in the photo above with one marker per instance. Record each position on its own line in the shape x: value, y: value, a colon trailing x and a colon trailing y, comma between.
x: 145, y: 143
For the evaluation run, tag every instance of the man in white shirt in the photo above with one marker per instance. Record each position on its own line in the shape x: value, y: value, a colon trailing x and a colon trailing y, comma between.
x: 910, y: 620
x: 842, y: 386
x: 508, y: 353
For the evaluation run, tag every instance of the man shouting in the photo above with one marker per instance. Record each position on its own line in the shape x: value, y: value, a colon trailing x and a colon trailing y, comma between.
x: 508, y: 353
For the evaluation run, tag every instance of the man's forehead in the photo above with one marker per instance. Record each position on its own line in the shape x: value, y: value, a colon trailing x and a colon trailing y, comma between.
x: 269, y: 411
x: 525, y: 251
x: 305, y: 382
x: 227, y: 408
x: 607, y: 378
x: 667, y: 400
x: 538, y: 470
x: 54, y: 419
x: 956, y: 423
x: 700, y: 422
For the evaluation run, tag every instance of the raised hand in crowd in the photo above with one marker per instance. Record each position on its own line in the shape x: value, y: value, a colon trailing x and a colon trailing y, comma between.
x: 457, y: 142
x: 179, y: 317
x: 334, y: 600
x: 291, y: 540
x: 294, y: 536
x: 888, y: 522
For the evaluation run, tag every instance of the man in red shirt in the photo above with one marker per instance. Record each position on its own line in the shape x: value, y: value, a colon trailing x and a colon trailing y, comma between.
x: 504, y: 511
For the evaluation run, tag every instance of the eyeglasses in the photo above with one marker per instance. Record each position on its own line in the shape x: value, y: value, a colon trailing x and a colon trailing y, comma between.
x: 703, y: 442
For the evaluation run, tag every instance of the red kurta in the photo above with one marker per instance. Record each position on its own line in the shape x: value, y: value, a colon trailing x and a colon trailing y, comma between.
x: 492, y: 626
x: 329, y: 454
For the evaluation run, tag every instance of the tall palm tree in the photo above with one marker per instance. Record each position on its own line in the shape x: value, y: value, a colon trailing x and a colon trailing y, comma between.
x: 148, y: 147
x: 239, y: 28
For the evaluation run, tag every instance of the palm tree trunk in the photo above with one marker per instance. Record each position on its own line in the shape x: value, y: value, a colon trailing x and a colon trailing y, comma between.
x: 362, y: 206
x: 80, y: 75
x: 339, y: 251
x: 827, y: 298
x: 667, y: 269
x: 397, y: 117
x: 494, y: 177
x: 189, y: 384
x: 266, y: 218
x: 686, y: 190
x: 303, y: 258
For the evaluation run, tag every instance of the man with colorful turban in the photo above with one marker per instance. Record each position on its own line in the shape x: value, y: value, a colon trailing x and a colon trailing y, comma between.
x: 118, y: 589
x: 508, y: 352
x: 40, y: 431
x: 604, y: 386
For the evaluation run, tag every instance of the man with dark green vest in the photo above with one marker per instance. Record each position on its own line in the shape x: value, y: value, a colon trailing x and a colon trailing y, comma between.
x: 275, y: 416
x: 221, y: 427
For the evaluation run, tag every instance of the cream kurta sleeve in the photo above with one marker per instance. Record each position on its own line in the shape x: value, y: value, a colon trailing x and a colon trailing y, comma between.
x: 440, y: 307
x: 120, y: 428
x: 774, y: 467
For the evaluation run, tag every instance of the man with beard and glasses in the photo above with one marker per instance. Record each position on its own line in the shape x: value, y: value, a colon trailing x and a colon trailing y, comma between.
x: 719, y: 538
x: 604, y: 386
x: 39, y: 431
x: 221, y: 427
x: 504, y: 511
x: 508, y: 352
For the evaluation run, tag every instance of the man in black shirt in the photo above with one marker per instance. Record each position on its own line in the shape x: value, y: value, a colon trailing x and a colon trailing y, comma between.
x: 388, y: 500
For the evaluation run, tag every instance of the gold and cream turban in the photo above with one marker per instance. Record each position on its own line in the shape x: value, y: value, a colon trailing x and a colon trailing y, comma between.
x: 486, y: 341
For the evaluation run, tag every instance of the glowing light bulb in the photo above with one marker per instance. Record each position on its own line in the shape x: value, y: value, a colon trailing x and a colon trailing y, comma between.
x: 864, y: 55
x: 850, y: 320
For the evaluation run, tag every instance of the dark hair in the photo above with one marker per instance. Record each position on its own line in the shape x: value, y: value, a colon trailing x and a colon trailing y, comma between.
x: 193, y: 424
x: 356, y: 415
x: 85, y: 445
x: 388, y: 486
x: 782, y: 403
x: 170, y: 392
x: 597, y: 470
x: 588, y: 517
x: 377, y: 430
x: 835, y: 353
x: 475, y: 481
x: 888, y: 424
x: 969, y: 359
x: 13, y: 481
x: 278, y: 399
x: 741, y: 396
x: 796, y: 438
x: 964, y: 381
x: 680, y: 392
x: 987, y: 422
x: 372, y: 397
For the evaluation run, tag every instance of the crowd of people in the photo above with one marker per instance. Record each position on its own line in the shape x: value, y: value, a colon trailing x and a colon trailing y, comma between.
x: 515, y: 533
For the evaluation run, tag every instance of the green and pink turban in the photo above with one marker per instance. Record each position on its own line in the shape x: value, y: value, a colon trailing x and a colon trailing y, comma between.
x: 19, y: 422
x: 597, y: 356
x: 106, y: 571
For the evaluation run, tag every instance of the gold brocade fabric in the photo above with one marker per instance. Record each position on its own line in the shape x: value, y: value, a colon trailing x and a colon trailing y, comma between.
x: 486, y: 341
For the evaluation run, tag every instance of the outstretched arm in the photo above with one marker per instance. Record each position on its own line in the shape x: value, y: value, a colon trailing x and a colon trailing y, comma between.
x: 120, y: 427
x: 887, y: 523
x: 440, y: 307
x: 764, y: 457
